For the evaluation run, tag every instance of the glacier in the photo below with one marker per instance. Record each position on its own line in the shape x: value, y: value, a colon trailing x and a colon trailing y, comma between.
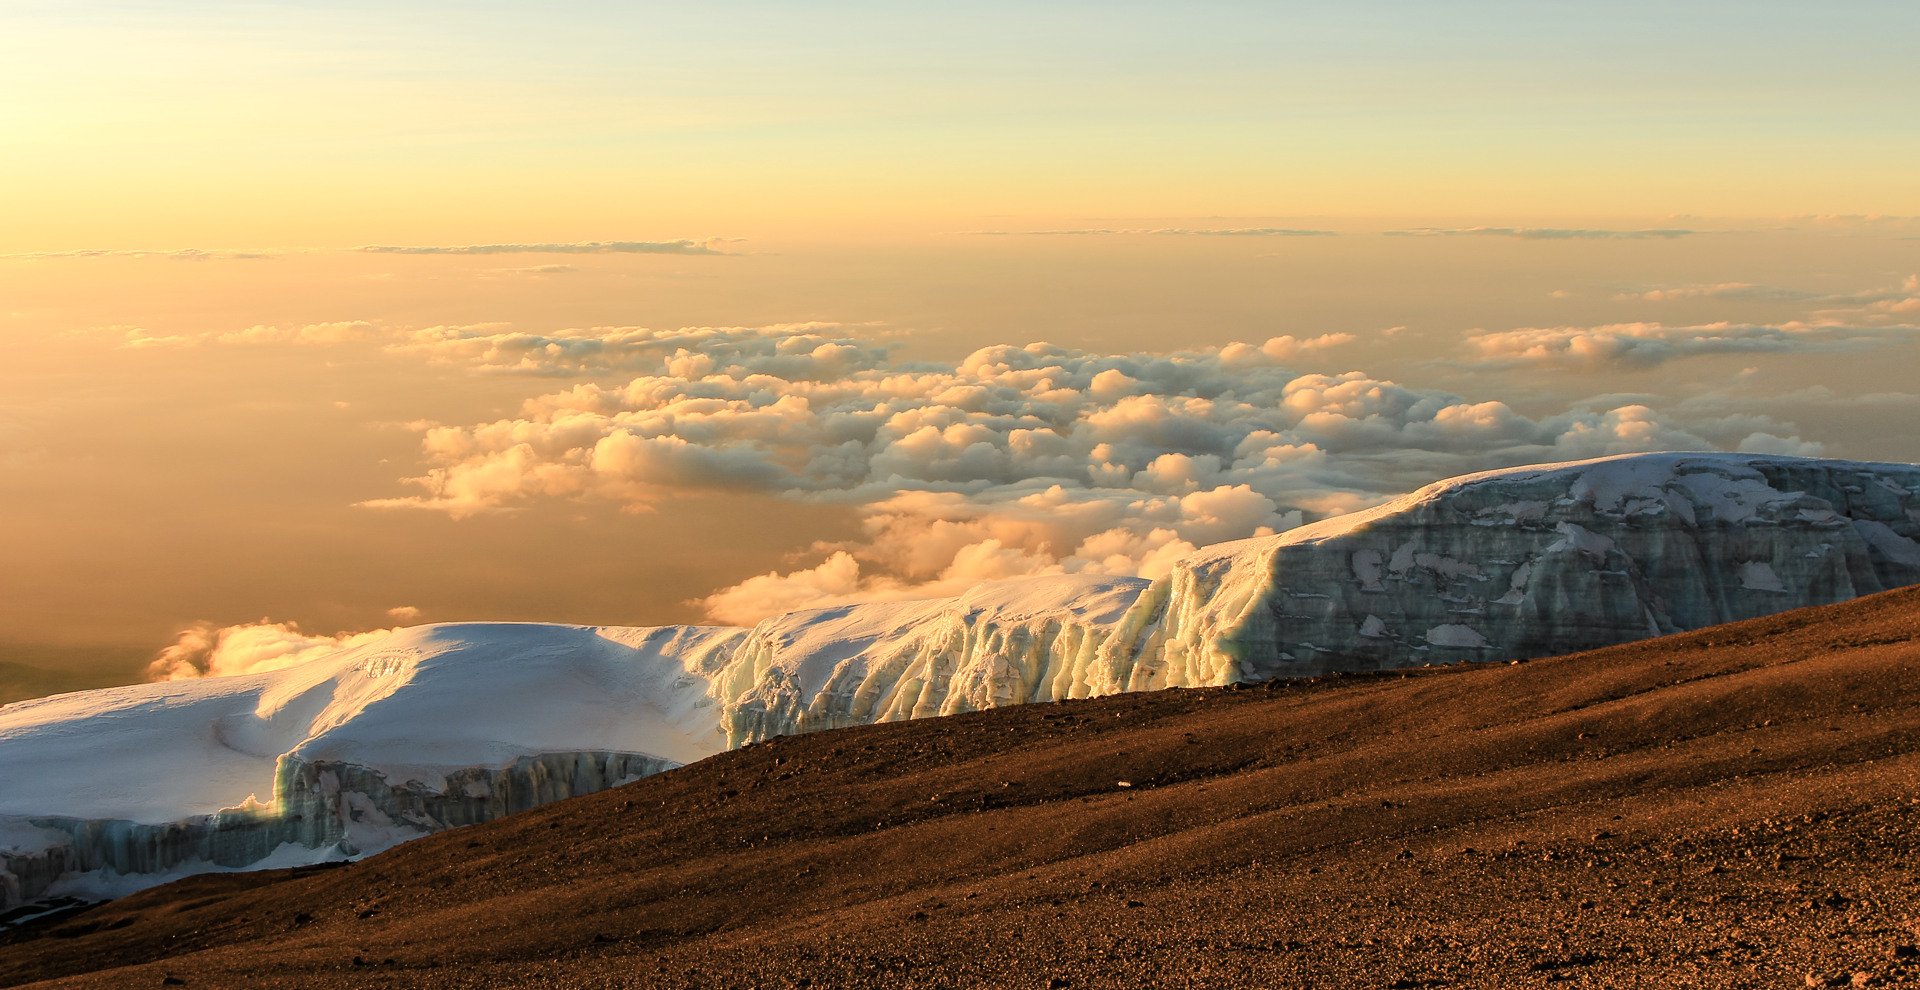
x: 444, y: 725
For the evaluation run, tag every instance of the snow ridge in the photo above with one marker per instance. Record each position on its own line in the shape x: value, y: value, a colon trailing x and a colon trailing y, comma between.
x: 444, y: 725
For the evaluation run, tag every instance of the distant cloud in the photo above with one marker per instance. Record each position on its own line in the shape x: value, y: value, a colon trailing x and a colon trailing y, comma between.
x: 1719, y: 290
x: 1013, y: 460
x: 535, y: 271
x: 1768, y: 443
x: 311, y: 334
x: 1844, y: 220
x: 1881, y: 299
x: 712, y: 245
x: 493, y: 347
x: 1645, y: 345
x: 140, y: 338
x: 207, y: 650
x: 404, y: 613
x: 1541, y: 233
x: 1163, y: 231
x: 1875, y: 306
x: 1287, y: 347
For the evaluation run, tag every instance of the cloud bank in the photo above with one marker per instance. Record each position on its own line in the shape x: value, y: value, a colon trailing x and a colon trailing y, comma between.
x: 1164, y: 232
x: 207, y: 650
x: 1543, y: 233
x: 1719, y: 290
x: 1645, y: 345
x: 1013, y: 460
x: 1866, y: 306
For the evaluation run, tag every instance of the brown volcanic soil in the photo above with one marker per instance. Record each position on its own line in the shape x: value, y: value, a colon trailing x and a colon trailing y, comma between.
x: 1736, y: 807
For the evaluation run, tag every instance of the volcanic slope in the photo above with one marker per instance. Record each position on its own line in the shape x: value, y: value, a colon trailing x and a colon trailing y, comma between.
x: 1738, y: 806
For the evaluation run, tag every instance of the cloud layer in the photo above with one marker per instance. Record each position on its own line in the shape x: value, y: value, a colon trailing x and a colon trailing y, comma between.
x: 1014, y: 460
x: 1643, y: 345
x: 207, y: 650
x: 1543, y: 233
x: 1165, y: 232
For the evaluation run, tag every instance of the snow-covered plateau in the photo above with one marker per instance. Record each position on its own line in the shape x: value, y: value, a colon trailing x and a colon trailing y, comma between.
x: 436, y: 726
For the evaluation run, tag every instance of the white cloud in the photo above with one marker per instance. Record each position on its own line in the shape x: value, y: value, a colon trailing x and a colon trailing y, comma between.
x: 139, y: 338
x: 311, y: 334
x: 1012, y: 460
x: 1649, y: 344
x: 532, y: 271
x: 497, y: 348
x: 1875, y: 306
x: 206, y: 650
x: 1768, y: 443
x: 1542, y: 233
x: 834, y: 580
x: 1717, y: 290
x: 1164, y: 232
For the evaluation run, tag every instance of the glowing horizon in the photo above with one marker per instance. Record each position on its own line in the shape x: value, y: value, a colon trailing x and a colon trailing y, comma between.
x: 266, y: 268
x: 343, y: 124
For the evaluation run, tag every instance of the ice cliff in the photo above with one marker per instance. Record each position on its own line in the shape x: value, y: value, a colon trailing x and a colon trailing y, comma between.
x: 419, y: 730
x: 1002, y: 643
x: 447, y: 725
x: 1540, y: 561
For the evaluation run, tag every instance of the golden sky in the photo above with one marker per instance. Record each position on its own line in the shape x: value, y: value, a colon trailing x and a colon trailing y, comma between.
x: 226, y: 124
x: 260, y: 265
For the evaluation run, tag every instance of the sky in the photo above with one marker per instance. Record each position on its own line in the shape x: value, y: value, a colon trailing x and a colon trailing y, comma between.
x: 322, y: 318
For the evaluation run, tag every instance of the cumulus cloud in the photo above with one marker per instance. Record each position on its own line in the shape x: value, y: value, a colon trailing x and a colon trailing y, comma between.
x: 1869, y: 220
x: 404, y: 613
x: 1868, y: 306
x: 1768, y: 443
x: 1879, y: 307
x: 1287, y: 347
x: 532, y: 271
x: 1012, y: 460
x: 836, y: 579
x: 712, y: 245
x: 207, y: 650
x: 140, y: 338
x: 310, y: 334
x: 497, y: 348
x: 1543, y: 233
x: 1718, y: 290
x: 1648, y: 344
x: 1164, y: 231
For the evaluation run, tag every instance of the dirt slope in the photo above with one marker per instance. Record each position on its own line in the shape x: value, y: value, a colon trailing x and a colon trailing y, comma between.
x: 1734, y: 807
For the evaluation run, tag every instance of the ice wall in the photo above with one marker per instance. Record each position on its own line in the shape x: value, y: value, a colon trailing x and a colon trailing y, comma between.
x: 1517, y: 563
x: 334, y: 810
x: 424, y: 729
x: 442, y: 726
x: 1003, y: 643
x: 1543, y: 561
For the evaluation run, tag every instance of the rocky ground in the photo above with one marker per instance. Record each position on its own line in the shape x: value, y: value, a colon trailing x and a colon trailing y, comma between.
x: 1737, y: 807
